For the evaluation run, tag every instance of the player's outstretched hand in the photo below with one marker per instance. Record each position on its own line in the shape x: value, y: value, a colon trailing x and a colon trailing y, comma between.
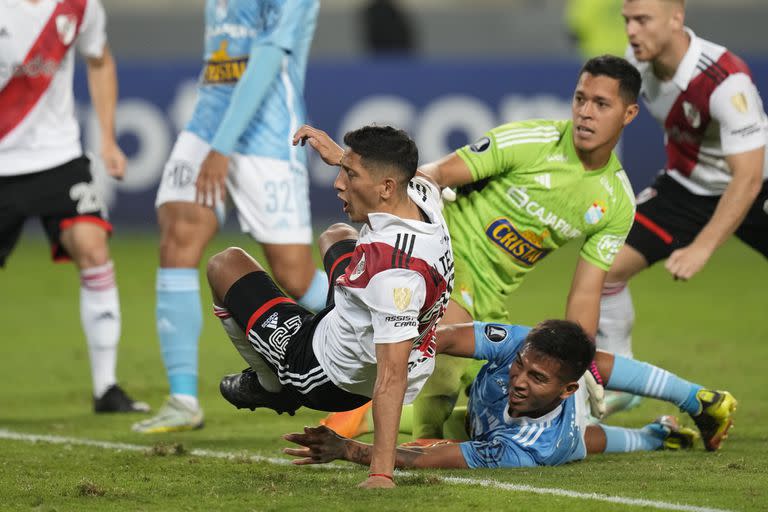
x: 329, y: 151
x: 114, y: 159
x: 320, y: 445
x: 211, y: 184
x: 684, y: 263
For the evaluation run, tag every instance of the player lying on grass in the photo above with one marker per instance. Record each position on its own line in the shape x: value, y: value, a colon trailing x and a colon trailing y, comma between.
x: 376, y: 340
x: 527, y: 404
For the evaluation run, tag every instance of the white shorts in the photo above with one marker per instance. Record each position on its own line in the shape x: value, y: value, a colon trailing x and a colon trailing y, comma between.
x: 271, y: 196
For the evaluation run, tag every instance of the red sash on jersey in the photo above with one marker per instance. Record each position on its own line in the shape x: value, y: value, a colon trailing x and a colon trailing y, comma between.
x: 22, y: 92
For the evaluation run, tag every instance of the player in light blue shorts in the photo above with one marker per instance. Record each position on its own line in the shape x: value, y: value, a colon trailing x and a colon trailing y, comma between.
x: 236, y: 148
x: 528, y: 407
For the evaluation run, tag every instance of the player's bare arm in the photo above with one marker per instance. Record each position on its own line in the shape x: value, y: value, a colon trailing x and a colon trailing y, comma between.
x: 102, y: 84
x: 449, y: 171
x: 388, y: 394
x: 747, y: 169
x: 456, y: 339
x: 329, y: 151
x: 321, y: 445
x: 583, y: 305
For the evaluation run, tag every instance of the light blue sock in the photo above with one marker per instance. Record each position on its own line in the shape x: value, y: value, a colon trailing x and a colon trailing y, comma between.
x: 179, y: 322
x: 314, y: 298
x: 622, y: 440
x: 647, y: 380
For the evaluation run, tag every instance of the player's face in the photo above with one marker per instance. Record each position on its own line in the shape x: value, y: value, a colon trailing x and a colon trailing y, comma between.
x: 599, y: 113
x: 357, y: 188
x: 650, y: 26
x: 535, y: 386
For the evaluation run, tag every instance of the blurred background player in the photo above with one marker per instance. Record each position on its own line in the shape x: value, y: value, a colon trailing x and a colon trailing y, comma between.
x: 526, y: 189
x: 595, y: 27
x: 527, y: 405
x: 713, y: 184
x: 250, y: 102
x: 43, y: 172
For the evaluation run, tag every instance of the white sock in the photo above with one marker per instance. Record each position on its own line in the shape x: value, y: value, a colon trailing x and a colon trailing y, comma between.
x: 617, y: 316
x: 190, y: 401
x: 100, y: 317
x: 267, y: 377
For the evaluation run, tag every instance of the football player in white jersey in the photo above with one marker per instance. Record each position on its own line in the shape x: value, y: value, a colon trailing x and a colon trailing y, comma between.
x: 713, y: 184
x: 391, y: 285
x: 43, y: 172
x: 527, y: 405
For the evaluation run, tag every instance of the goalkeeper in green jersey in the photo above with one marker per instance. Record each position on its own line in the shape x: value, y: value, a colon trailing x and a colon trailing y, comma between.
x: 523, y: 190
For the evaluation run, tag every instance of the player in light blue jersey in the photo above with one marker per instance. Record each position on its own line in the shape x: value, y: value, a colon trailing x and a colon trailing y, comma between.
x: 527, y: 405
x: 237, y: 144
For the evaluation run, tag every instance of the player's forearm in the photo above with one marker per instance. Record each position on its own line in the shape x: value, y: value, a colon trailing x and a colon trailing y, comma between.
x: 263, y: 66
x: 102, y: 84
x: 387, y: 405
x: 584, y: 309
x: 362, y: 453
x: 730, y: 211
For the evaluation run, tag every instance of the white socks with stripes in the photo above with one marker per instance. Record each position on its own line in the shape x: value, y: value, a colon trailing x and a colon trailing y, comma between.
x: 100, y: 317
x: 267, y: 377
x: 617, y: 317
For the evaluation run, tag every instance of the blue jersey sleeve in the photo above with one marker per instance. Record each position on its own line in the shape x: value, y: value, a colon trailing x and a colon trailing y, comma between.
x: 498, y: 343
x: 495, y: 453
x: 294, y: 14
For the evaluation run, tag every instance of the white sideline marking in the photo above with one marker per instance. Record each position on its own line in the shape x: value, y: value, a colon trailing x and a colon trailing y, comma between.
x: 662, y: 505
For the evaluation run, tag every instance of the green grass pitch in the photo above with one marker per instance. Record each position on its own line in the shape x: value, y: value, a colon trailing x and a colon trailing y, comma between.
x: 712, y: 330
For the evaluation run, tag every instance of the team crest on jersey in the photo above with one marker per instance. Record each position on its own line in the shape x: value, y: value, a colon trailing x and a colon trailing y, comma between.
x: 359, y: 269
x: 692, y: 114
x: 402, y: 298
x: 525, y: 247
x: 480, y: 145
x: 739, y: 102
x: 66, y: 26
x: 595, y: 212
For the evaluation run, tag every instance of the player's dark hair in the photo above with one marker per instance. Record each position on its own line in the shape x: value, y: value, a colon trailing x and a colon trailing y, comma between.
x: 385, y: 146
x: 618, y: 69
x: 566, y: 342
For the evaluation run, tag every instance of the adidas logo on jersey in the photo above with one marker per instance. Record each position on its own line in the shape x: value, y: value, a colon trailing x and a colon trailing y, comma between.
x: 544, y: 179
x: 271, y: 322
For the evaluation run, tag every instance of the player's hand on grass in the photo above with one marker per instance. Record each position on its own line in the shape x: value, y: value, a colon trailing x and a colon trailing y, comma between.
x: 211, y: 184
x: 320, y: 445
x: 684, y: 263
x: 329, y: 151
x: 114, y: 159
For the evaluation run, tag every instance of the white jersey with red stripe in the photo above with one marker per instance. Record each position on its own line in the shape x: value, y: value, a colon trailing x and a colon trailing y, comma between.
x: 396, y: 288
x: 709, y: 109
x: 38, y: 128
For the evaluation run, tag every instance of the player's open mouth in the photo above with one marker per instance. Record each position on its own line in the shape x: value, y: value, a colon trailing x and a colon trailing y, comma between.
x: 583, y: 130
x: 516, y: 398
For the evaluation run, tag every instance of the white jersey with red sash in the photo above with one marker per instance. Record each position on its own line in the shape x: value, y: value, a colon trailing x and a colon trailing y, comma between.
x: 709, y: 109
x: 396, y: 288
x: 38, y: 128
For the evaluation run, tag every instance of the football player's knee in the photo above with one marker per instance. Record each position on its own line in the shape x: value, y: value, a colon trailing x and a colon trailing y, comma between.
x: 612, y: 288
x: 336, y: 233
x: 87, y: 251
x: 222, y: 265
